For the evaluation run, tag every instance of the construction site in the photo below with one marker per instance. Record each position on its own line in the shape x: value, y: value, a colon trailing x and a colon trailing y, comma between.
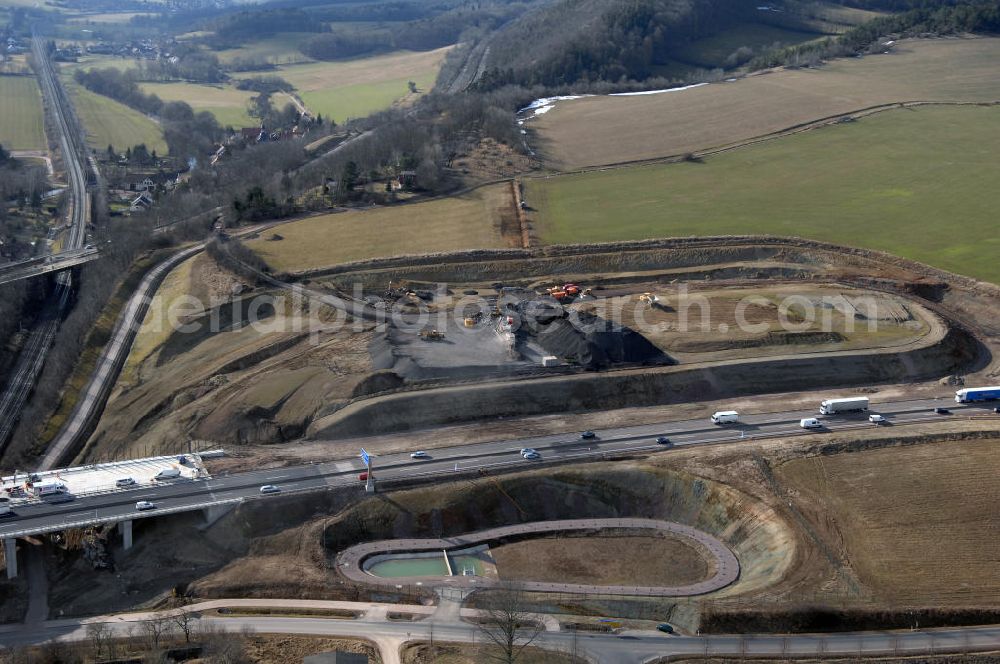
x: 508, y: 344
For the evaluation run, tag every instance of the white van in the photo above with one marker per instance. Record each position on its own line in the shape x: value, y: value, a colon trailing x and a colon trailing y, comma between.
x: 168, y: 474
x: 810, y: 423
x: 726, y: 417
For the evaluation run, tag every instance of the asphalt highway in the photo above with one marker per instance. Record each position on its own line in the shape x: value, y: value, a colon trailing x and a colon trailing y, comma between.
x: 444, y: 463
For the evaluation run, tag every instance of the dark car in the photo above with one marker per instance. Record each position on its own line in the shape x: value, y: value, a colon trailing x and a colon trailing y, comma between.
x: 997, y: 410
x: 662, y: 440
x: 666, y: 628
x: 587, y: 435
x: 942, y: 411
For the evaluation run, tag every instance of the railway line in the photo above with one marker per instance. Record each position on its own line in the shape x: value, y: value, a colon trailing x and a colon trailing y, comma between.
x: 30, y: 362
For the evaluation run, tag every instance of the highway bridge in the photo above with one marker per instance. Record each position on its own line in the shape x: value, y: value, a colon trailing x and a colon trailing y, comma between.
x: 34, y: 267
x: 444, y: 464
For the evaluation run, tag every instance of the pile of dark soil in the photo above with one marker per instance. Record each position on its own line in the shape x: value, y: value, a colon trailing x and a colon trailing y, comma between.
x: 584, y: 339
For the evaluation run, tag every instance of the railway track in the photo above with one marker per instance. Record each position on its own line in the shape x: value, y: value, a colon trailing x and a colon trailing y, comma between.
x: 30, y: 362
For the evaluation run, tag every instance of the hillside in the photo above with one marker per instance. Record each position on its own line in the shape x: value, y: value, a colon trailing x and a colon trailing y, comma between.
x: 579, y: 42
x: 570, y: 41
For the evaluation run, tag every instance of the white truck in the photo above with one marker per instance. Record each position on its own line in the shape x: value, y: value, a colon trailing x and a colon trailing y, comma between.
x: 846, y: 405
x: 726, y: 417
x: 49, y: 488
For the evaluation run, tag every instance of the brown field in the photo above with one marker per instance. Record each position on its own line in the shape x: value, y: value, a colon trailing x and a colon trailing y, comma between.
x: 606, y: 130
x: 918, y: 524
x: 640, y: 561
x: 469, y: 221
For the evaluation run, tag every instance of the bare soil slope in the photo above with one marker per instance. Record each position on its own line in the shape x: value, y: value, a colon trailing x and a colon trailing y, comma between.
x: 916, y: 523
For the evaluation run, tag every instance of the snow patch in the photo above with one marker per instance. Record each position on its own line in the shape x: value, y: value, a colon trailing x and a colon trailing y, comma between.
x: 656, y: 92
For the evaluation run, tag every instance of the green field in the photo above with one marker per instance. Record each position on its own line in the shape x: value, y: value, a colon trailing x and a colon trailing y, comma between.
x: 713, y: 51
x: 21, y: 119
x: 917, y: 183
x: 469, y: 221
x: 225, y: 102
x: 282, y: 48
x: 356, y: 88
x: 108, y: 122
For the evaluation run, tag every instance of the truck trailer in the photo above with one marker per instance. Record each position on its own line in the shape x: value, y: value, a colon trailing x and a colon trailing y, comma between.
x: 971, y: 394
x: 50, y: 488
x: 847, y: 405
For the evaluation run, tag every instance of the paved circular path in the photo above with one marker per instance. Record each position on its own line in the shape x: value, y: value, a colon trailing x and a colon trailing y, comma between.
x: 727, y: 567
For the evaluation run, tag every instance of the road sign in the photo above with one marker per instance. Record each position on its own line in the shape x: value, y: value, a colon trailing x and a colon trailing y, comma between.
x: 364, y: 457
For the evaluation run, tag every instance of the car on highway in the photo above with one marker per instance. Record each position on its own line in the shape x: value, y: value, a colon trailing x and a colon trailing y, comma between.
x: 666, y: 628
x: 588, y: 435
x: 532, y: 456
x: 419, y: 454
x: 810, y: 423
x: 875, y: 418
x: 942, y: 411
x: 144, y: 505
x: 662, y: 440
x: 997, y: 410
x: 124, y: 482
x: 363, y: 477
x: 528, y: 450
x: 270, y: 488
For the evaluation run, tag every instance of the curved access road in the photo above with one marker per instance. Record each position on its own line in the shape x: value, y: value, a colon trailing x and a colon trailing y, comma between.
x: 727, y: 568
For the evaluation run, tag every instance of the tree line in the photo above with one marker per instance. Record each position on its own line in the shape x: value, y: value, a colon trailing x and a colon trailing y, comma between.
x: 424, y: 34
x: 982, y: 16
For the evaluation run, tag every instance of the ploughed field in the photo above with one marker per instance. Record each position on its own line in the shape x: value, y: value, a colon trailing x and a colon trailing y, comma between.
x: 917, y: 183
x: 607, y: 130
x: 918, y: 524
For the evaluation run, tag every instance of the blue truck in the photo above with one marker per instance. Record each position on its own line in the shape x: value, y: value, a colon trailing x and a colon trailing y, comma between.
x: 971, y: 394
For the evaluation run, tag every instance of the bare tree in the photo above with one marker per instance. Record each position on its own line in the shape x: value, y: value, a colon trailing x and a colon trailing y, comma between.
x: 99, y: 635
x: 506, y: 624
x: 155, y: 629
x: 185, y: 620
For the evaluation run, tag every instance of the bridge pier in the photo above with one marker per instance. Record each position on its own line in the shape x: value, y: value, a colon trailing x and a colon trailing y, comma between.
x: 10, y: 553
x: 126, y: 528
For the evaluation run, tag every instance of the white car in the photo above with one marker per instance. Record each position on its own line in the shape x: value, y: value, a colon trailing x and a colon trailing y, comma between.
x: 419, y: 455
x: 124, y: 482
x: 144, y: 505
x: 531, y: 456
x: 875, y: 418
x: 269, y: 488
x: 528, y: 450
x: 810, y: 423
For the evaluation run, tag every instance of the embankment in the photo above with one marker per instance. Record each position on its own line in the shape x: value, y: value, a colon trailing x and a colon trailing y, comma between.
x: 944, y: 351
